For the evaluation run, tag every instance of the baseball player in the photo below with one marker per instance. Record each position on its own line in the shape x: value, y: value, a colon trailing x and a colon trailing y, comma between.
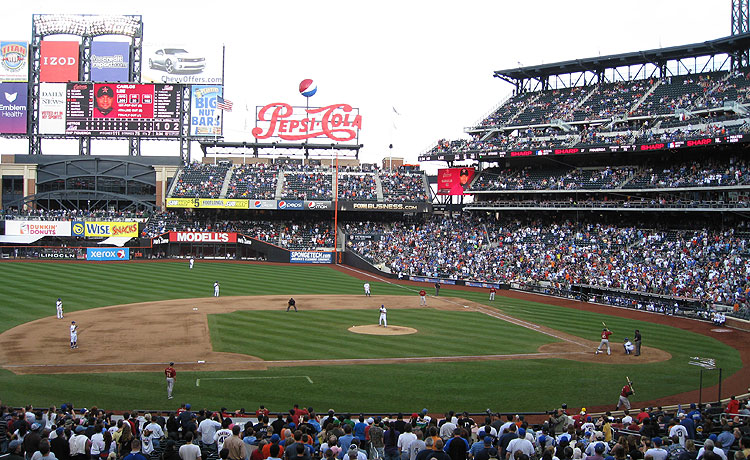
x: 605, y: 341
x: 216, y: 289
x: 629, y: 347
x: 192, y: 262
x: 171, y: 376
x: 423, y: 297
x: 383, y: 321
x: 492, y: 293
x: 367, y: 289
x: 59, y: 307
x: 627, y: 390
x: 73, y: 335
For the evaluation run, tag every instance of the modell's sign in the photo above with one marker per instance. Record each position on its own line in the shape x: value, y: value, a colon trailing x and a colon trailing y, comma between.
x: 337, y: 122
x: 202, y: 237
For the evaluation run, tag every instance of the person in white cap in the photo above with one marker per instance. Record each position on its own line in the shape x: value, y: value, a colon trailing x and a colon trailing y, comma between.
x: 73, y: 335
x: 383, y: 321
x: 59, y: 307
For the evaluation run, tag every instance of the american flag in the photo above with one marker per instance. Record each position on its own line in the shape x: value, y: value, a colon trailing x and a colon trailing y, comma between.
x: 223, y: 104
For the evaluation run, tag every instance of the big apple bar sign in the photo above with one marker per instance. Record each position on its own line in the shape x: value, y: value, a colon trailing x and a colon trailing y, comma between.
x: 337, y: 122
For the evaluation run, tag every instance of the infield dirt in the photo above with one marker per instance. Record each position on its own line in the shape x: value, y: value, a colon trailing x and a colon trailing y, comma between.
x: 144, y: 336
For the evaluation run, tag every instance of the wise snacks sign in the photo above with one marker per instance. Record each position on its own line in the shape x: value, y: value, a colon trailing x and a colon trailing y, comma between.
x: 105, y: 229
x: 337, y: 122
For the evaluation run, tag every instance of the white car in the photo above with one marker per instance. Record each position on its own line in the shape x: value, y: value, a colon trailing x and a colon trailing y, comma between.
x: 176, y: 60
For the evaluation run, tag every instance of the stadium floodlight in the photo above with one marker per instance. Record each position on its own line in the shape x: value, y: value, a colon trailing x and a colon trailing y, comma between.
x: 52, y: 24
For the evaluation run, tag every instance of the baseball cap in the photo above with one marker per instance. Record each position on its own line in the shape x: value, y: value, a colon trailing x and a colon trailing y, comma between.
x: 463, y: 172
x: 370, y: 421
x: 521, y: 432
x: 656, y: 441
x: 599, y: 447
x: 187, y: 406
x: 105, y: 91
x: 415, y: 415
x: 275, y: 438
x: 80, y: 429
x: 35, y: 426
x: 13, y: 444
x: 171, y: 363
x: 488, y: 439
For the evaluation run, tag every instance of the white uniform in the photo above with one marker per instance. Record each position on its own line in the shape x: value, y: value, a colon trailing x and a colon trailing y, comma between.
x: 383, y: 321
x: 367, y: 289
x: 629, y: 347
x: 192, y: 262
x: 58, y: 304
x: 216, y: 289
x: 73, y: 335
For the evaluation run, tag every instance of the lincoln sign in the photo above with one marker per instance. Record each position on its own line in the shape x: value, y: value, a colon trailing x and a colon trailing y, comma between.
x: 337, y: 122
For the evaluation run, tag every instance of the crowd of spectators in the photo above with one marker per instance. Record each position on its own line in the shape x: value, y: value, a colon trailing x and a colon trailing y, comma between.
x: 200, y: 180
x: 707, y: 172
x: 299, y: 182
x: 706, y: 265
x: 603, y: 114
x: 72, y: 214
x: 254, y: 181
x: 696, y: 433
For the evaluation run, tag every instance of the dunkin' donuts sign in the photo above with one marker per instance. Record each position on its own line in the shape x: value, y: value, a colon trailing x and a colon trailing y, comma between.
x: 337, y: 122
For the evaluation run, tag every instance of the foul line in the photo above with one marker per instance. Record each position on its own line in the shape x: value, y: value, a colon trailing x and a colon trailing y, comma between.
x: 198, y: 381
x: 487, y: 311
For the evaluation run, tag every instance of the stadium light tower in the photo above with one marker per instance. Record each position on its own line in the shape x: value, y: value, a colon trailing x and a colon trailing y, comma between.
x: 741, y: 25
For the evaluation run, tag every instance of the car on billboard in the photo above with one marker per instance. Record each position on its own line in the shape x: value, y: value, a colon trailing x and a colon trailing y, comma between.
x: 174, y: 60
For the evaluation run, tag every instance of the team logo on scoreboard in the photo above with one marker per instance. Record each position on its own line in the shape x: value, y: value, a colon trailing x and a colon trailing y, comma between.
x: 14, y: 56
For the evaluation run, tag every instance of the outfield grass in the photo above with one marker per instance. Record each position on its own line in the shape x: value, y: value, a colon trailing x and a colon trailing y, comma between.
x: 30, y: 291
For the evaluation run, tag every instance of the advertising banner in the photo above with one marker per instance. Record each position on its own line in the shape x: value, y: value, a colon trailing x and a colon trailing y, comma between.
x: 110, y: 61
x: 263, y: 204
x: 14, y: 61
x: 453, y: 181
x: 58, y: 61
x: 37, y: 227
x: 107, y: 253
x: 205, y: 118
x: 52, y: 108
x: 105, y: 229
x: 13, y: 108
x: 310, y: 257
x: 319, y: 205
x: 202, y: 237
x: 223, y: 203
x: 57, y: 253
x: 394, y: 207
x: 192, y: 64
x: 183, y: 202
x: 290, y: 205
x: 337, y: 122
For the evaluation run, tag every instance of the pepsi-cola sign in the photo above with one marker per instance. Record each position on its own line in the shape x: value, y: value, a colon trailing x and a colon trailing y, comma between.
x: 337, y: 122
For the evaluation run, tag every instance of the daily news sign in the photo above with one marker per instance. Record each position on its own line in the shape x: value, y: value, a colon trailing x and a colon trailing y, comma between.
x: 337, y: 122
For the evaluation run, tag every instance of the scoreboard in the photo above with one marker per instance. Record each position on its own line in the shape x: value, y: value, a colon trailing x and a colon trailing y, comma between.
x: 123, y: 109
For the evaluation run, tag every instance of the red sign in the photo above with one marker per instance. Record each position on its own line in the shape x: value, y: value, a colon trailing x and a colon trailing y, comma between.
x: 337, y: 122
x: 123, y: 101
x: 453, y: 181
x: 58, y: 62
x: 202, y: 237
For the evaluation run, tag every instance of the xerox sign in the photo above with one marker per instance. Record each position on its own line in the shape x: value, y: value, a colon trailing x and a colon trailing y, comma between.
x: 107, y: 253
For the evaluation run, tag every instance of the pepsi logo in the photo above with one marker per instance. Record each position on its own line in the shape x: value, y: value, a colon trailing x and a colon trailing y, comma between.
x: 308, y: 88
x: 257, y: 203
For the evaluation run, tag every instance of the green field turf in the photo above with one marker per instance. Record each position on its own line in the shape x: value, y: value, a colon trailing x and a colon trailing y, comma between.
x: 30, y: 290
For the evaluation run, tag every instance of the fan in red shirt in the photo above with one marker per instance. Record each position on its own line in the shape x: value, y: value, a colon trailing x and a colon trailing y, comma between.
x: 733, y: 407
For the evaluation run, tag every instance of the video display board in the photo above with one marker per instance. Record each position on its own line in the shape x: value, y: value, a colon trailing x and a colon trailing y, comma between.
x: 123, y: 109
x: 453, y: 181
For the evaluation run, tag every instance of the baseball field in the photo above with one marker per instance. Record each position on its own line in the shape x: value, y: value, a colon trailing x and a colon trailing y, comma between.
x: 460, y: 352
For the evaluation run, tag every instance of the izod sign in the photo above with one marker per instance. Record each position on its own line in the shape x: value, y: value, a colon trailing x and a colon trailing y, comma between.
x: 202, y: 237
x: 337, y: 122
x: 58, y: 61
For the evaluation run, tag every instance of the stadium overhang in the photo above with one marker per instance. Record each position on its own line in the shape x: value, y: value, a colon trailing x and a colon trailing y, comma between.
x: 271, y: 148
x: 731, y: 46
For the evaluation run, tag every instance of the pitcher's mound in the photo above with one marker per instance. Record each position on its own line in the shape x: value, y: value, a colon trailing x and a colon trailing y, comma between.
x: 374, y: 329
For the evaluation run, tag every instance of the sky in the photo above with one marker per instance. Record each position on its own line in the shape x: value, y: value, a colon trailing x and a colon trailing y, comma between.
x: 431, y: 61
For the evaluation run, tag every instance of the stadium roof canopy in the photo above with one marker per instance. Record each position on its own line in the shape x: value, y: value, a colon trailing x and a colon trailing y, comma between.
x: 732, y: 46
